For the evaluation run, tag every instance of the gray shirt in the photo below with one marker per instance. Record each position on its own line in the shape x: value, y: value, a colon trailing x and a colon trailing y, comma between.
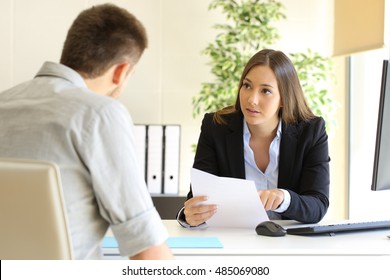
x: 55, y: 117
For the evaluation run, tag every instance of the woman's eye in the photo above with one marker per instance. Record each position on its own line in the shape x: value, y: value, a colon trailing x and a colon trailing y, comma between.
x: 266, y: 91
x: 245, y: 85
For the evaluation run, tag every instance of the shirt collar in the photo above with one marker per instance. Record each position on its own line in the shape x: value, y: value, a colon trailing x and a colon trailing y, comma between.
x: 61, y: 71
x: 278, y: 131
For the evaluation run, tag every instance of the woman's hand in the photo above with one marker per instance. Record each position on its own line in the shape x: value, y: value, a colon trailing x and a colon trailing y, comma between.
x: 196, y: 212
x: 271, y: 199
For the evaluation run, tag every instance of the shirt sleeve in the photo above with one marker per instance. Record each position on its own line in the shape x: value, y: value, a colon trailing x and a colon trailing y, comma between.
x: 119, y: 187
x: 181, y: 220
x: 286, y: 202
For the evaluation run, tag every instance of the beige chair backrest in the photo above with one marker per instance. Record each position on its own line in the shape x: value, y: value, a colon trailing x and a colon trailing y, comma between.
x: 33, y: 220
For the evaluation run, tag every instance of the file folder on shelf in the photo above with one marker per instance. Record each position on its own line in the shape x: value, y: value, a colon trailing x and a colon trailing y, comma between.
x: 140, y: 146
x: 171, y: 159
x: 158, y: 150
x: 154, y: 158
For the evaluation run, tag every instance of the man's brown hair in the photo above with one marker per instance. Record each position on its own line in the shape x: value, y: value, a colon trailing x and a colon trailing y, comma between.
x: 102, y: 36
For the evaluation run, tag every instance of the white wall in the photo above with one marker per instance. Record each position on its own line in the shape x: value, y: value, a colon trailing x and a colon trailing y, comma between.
x: 172, y: 69
x: 366, y: 74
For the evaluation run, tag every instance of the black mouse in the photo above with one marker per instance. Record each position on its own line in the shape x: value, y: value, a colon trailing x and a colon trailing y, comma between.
x: 270, y: 228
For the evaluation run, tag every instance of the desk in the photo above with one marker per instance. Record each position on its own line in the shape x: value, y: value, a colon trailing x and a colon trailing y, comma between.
x: 247, y: 244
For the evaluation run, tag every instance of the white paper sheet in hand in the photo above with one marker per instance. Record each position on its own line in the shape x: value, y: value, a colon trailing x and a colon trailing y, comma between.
x: 237, y: 200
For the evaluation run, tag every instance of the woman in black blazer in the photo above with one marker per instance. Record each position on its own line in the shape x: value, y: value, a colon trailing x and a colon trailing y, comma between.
x: 270, y: 136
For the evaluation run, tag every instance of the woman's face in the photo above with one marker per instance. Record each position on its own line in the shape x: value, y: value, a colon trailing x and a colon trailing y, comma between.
x: 260, y: 98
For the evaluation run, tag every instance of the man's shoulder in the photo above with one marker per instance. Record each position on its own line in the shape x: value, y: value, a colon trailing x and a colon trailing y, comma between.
x: 90, y: 105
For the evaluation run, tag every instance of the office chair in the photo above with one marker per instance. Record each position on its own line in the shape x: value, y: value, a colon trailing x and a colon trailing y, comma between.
x: 33, y: 220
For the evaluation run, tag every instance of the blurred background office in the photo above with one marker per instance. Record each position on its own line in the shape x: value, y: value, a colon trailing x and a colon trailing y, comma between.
x: 173, y: 69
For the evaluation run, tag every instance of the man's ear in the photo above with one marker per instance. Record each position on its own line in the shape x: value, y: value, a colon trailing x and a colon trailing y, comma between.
x: 120, y: 72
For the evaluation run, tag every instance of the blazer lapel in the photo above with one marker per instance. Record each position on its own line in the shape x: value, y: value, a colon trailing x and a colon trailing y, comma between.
x: 235, y: 148
x: 288, y: 147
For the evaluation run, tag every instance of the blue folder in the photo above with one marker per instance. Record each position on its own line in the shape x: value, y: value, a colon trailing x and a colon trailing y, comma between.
x: 176, y: 242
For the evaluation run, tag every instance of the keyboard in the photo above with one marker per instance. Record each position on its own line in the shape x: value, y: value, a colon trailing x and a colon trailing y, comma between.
x: 339, y: 227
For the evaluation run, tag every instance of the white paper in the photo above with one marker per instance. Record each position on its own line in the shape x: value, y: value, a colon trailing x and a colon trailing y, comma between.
x: 238, y: 202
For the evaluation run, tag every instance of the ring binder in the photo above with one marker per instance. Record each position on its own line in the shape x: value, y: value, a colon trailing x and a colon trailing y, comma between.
x: 158, y: 149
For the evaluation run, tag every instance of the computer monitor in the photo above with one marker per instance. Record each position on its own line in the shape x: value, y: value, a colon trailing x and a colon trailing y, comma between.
x: 381, y: 170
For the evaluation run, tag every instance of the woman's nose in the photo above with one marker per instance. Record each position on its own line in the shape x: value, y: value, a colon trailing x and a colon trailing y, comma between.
x: 253, y: 98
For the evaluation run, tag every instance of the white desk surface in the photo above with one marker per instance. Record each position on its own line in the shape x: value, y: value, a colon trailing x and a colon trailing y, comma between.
x: 246, y: 243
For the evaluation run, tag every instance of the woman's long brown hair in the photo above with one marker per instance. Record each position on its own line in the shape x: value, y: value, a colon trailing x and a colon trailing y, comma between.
x: 295, y: 107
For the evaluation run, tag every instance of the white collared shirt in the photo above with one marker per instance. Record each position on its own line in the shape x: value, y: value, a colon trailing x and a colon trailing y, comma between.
x: 269, y: 179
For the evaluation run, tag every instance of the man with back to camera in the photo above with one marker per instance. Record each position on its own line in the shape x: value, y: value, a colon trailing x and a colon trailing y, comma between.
x: 68, y: 114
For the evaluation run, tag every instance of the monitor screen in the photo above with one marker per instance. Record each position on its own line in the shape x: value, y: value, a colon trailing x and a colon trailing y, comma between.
x: 381, y: 171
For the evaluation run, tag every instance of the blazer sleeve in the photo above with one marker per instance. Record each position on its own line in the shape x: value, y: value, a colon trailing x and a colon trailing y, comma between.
x: 206, y: 150
x: 205, y: 158
x: 304, y: 171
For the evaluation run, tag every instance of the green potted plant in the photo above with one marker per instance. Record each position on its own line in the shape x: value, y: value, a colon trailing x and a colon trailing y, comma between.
x: 249, y: 28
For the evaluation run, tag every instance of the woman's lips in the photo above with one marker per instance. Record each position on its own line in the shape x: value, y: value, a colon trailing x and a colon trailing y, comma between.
x: 252, y: 111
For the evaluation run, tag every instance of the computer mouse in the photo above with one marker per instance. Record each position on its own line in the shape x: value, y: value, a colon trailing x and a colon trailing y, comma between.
x: 270, y: 228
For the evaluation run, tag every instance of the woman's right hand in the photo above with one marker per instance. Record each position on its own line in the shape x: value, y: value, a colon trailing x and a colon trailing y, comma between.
x: 196, y: 212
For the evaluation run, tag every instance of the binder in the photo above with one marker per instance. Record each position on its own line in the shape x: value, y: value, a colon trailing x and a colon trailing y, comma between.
x: 154, y: 158
x: 171, y: 159
x: 140, y: 146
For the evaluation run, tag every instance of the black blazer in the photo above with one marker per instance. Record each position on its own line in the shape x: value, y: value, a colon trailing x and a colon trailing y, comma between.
x: 303, y: 161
